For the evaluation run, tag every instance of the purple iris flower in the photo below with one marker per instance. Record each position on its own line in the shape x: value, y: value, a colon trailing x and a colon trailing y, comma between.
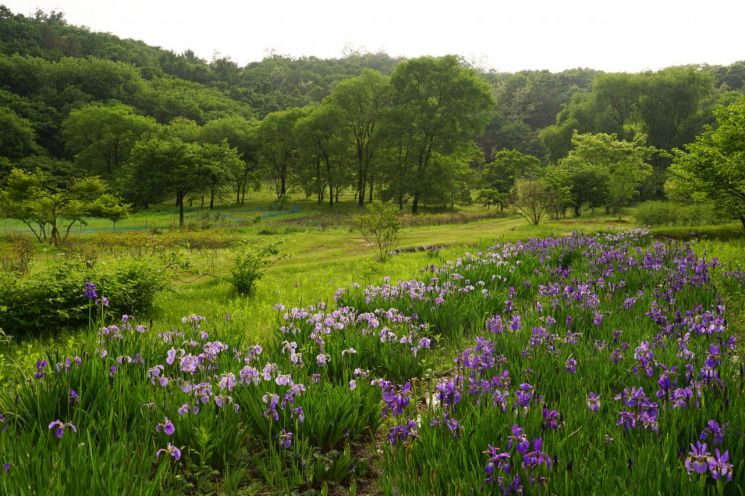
x: 448, y: 421
x: 40, y: 366
x: 698, y: 458
x: 551, y: 418
x: 713, y: 430
x: 524, y: 394
x: 166, y: 427
x: 89, y: 290
x: 537, y: 456
x: 59, y: 427
x: 571, y: 365
x: 519, y: 439
x: 593, y: 402
x: 719, y: 466
x: 498, y: 460
x: 403, y: 432
x: 495, y: 324
x: 627, y: 420
x: 516, y: 323
x: 170, y: 450
x: 285, y: 439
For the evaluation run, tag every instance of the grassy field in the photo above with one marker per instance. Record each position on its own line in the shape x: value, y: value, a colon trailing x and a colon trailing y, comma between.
x: 230, y: 436
x: 321, y: 251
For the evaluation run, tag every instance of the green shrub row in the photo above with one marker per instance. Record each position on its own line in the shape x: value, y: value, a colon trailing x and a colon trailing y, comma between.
x: 53, y: 299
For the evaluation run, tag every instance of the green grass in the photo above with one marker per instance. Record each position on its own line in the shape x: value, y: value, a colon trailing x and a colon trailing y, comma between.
x: 224, y: 451
x: 227, y: 451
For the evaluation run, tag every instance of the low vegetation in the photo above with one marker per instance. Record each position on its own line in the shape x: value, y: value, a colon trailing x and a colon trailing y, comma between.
x: 514, y: 368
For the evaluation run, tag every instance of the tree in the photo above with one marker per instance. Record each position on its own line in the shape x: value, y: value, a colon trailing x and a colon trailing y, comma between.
x: 362, y: 102
x: 559, y: 190
x: 101, y: 136
x: 531, y: 199
x: 16, y: 135
x: 241, y: 134
x: 669, y: 106
x: 508, y: 166
x: 711, y: 168
x: 603, y: 170
x: 490, y: 196
x: 324, y: 148
x: 160, y: 167
x: 49, y: 209
x: 110, y: 207
x: 182, y: 128
x: 278, y: 150
x: 444, y: 105
x: 221, y: 166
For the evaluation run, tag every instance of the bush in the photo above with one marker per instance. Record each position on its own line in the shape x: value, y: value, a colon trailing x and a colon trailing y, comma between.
x: 380, y: 225
x: 54, y: 300
x: 664, y: 213
x: 251, y: 262
x: 18, y: 259
x: 131, y: 286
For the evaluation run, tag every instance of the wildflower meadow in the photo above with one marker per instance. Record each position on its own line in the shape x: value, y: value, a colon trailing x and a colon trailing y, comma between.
x: 582, y: 364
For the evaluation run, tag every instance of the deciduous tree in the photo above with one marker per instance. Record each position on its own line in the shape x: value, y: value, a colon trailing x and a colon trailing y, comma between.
x: 444, y: 105
x: 712, y: 168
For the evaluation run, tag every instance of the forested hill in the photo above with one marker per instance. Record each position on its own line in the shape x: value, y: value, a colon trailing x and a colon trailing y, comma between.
x: 276, y: 83
x: 76, y: 103
x: 49, y: 67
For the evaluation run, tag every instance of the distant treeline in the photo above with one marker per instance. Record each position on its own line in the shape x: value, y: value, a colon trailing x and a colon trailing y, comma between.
x: 76, y: 103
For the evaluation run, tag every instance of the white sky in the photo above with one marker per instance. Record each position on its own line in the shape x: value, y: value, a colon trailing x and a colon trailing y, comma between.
x: 507, y: 35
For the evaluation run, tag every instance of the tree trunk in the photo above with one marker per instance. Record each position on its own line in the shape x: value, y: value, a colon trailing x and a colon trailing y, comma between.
x: 372, y: 182
x: 54, y: 239
x: 181, y: 214
x: 415, y: 204
x: 577, y: 210
x: 361, y: 183
x: 742, y: 219
x: 180, y: 201
x: 331, y: 184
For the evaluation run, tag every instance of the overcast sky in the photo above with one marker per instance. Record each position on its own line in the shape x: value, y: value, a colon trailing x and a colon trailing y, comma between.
x: 507, y: 35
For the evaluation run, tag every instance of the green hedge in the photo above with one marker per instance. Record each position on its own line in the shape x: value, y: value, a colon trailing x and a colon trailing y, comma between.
x: 665, y: 213
x: 52, y: 300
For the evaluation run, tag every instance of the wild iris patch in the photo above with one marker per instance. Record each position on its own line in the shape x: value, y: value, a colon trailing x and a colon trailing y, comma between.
x: 570, y: 365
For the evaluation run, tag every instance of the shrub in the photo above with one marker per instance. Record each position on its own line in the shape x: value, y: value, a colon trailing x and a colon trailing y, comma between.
x: 251, y: 262
x: 53, y: 300
x: 380, y: 225
x: 131, y: 286
x: 18, y: 259
x: 664, y: 213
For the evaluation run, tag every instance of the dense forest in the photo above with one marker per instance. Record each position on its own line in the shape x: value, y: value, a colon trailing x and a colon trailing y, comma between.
x: 88, y: 119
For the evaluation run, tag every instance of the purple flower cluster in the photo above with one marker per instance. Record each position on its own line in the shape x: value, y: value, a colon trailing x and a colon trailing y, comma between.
x: 700, y: 461
x: 501, y: 467
x: 642, y: 411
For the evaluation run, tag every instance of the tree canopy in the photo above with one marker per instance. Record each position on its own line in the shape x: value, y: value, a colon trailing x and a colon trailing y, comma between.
x: 712, y: 168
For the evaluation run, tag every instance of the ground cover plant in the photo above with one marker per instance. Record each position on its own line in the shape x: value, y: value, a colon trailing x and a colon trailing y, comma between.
x: 565, y: 365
